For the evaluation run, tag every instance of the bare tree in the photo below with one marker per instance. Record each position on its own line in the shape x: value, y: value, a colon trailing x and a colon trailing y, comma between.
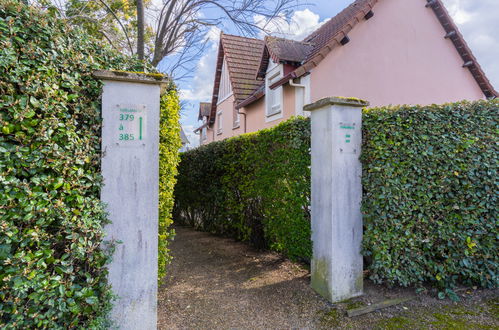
x: 140, y: 29
x: 180, y: 21
x: 174, y: 29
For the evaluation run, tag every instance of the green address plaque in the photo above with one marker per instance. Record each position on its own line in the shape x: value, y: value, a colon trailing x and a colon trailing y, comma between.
x: 131, y: 124
x: 346, y: 137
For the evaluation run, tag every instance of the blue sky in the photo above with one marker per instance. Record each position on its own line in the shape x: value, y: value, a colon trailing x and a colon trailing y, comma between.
x: 477, y: 20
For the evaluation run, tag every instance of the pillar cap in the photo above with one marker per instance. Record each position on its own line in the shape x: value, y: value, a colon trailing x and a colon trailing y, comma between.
x: 336, y: 100
x: 136, y: 77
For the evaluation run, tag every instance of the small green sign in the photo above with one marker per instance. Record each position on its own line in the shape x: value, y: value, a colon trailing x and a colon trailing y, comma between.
x: 131, y: 123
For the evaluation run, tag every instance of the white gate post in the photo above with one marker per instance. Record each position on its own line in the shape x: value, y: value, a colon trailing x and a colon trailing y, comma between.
x: 337, y: 267
x: 130, y: 168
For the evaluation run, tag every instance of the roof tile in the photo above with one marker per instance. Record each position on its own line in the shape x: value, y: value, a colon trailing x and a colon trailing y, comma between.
x: 243, y: 58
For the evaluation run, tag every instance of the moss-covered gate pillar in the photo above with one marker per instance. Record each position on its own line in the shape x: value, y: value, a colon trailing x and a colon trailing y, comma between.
x: 130, y: 169
x: 337, y: 266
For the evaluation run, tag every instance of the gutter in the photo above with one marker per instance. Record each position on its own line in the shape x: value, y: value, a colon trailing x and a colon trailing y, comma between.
x: 251, y: 99
x: 301, y: 97
x: 291, y: 83
x: 290, y: 76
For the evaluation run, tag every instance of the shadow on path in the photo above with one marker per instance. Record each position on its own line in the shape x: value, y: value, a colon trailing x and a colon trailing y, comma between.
x: 216, y: 282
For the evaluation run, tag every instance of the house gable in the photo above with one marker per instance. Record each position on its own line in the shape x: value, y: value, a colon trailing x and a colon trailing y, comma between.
x: 242, y: 57
x: 335, y: 33
x: 400, y: 57
x: 403, y: 59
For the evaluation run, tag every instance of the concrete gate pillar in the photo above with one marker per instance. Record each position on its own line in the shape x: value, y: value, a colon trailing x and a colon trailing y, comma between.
x: 130, y: 168
x: 337, y: 267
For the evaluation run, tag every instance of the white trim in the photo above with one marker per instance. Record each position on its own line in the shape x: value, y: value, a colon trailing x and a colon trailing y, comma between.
x: 274, y: 72
x: 225, y: 98
x: 306, y: 81
x: 270, y: 118
x: 219, y: 122
x: 204, y: 134
x: 237, y: 123
x: 302, y: 96
x: 225, y: 85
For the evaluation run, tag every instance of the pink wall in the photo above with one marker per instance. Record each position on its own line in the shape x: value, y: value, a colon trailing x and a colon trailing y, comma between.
x: 228, y: 130
x: 255, y: 116
x: 255, y: 112
x: 399, y: 56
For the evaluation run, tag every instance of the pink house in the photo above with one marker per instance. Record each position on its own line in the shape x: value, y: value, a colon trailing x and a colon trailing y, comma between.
x: 383, y: 51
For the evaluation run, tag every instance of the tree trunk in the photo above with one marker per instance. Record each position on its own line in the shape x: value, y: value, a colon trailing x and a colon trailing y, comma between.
x: 140, y: 29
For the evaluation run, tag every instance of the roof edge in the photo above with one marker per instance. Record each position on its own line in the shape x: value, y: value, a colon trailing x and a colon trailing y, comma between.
x: 462, y: 47
x: 216, y: 84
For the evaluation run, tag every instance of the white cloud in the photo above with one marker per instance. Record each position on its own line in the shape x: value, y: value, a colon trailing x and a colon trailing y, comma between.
x: 300, y: 25
x: 478, y: 22
x: 200, y: 89
x: 191, y: 136
x: 201, y: 86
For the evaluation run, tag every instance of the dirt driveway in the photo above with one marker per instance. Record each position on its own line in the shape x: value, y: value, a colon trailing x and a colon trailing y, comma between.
x: 217, y: 283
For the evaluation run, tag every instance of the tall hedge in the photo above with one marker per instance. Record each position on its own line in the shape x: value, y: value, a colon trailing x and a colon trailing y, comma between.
x: 169, y: 145
x: 254, y: 187
x: 430, y: 200
x: 431, y: 190
x: 52, y: 265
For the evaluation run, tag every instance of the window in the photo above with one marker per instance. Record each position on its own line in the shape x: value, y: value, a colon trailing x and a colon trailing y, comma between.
x: 235, y: 118
x: 274, y: 97
x: 219, y: 122
x: 203, y: 134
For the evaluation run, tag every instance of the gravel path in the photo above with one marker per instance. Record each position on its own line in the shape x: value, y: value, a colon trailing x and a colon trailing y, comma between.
x: 217, y: 283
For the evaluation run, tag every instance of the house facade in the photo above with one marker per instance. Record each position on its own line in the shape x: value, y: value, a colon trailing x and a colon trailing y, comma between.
x: 383, y: 51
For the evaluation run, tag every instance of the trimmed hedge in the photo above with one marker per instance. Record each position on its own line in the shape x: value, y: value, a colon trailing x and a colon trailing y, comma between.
x: 431, y: 194
x: 52, y: 266
x: 430, y: 180
x: 254, y: 187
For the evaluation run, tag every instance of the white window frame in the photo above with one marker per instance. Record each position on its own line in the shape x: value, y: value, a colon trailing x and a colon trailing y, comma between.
x: 219, y: 123
x: 274, y: 73
x: 204, y: 134
x: 237, y: 122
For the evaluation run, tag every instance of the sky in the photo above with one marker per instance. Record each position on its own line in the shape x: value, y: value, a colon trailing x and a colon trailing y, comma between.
x: 476, y: 19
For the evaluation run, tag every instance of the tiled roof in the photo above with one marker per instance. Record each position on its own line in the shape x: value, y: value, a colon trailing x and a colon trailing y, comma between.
x: 331, y: 33
x: 457, y: 39
x: 329, y: 36
x: 204, y: 109
x: 246, y: 54
x: 243, y: 58
x: 285, y: 50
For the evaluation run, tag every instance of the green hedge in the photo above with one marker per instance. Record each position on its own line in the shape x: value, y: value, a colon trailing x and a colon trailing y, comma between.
x: 169, y: 145
x: 52, y: 272
x: 431, y: 194
x: 254, y: 187
x: 430, y: 185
